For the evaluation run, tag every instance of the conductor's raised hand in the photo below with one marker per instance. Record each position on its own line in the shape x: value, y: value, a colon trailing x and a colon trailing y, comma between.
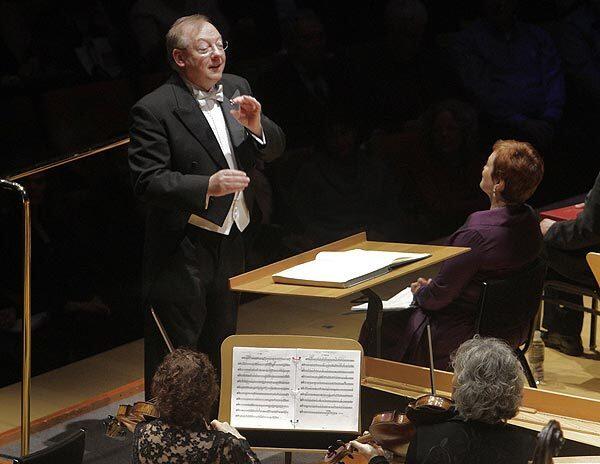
x: 248, y: 113
x: 227, y: 181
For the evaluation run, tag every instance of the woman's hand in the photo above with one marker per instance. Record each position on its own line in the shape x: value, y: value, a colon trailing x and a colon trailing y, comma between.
x: 227, y: 428
x: 366, y: 450
x: 416, y: 286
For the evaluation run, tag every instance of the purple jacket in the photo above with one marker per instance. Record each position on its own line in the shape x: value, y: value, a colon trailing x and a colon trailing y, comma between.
x: 502, y: 240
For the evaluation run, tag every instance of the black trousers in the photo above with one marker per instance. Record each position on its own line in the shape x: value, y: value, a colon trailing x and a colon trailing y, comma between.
x: 191, y: 297
x: 570, y: 267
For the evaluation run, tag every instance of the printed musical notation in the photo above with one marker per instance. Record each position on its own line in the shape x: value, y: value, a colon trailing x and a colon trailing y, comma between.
x: 282, y: 388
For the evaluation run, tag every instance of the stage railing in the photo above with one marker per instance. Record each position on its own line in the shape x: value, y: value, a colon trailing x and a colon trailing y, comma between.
x: 10, y: 184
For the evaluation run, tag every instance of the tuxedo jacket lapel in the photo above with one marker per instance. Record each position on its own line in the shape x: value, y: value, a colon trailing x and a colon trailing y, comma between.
x: 190, y: 114
x: 236, y: 130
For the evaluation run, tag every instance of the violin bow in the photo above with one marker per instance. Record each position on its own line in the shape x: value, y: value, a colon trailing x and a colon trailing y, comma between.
x: 431, y: 373
x: 163, y: 332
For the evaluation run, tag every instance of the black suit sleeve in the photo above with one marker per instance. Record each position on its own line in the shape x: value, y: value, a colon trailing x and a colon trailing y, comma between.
x: 154, y: 179
x: 274, y: 136
x: 582, y: 232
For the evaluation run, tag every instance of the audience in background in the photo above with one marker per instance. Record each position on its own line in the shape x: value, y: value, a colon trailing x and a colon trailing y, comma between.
x: 448, y: 160
x: 579, y: 44
x: 151, y: 19
x: 387, y: 65
x: 338, y: 192
x: 578, y: 40
x: 512, y: 71
x: 307, y: 73
x: 402, y: 72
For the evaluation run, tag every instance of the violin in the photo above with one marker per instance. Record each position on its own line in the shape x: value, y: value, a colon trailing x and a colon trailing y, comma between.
x: 128, y: 416
x: 392, y: 429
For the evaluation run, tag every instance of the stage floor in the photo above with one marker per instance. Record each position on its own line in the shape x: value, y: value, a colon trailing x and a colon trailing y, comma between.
x: 55, y: 392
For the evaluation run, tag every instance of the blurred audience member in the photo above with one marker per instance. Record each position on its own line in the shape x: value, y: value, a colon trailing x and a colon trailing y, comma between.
x: 151, y: 19
x: 513, y: 72
x: 306, y: 73
x: 402, y: 73
x: 579, y: 44
x: 566, y: 245
x: 333, y: 195
x: 448, y: 161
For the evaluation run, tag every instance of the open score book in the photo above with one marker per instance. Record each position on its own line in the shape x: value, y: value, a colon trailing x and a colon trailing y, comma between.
x: 342, y: 269
x: 295, y: 389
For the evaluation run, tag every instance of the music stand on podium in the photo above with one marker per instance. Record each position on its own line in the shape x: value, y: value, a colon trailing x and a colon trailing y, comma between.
x: 260, y: 280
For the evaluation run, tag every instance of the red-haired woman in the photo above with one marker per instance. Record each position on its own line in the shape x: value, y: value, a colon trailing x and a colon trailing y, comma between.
x: 503, y: 239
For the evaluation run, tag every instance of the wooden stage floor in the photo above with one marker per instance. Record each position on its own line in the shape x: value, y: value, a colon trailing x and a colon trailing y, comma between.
x: 76, y: 383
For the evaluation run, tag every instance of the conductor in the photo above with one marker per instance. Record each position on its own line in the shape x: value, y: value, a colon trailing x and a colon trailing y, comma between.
x: 192, y: 141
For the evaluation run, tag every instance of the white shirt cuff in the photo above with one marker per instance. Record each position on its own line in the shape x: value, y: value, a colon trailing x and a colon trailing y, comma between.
x: 262, y: 140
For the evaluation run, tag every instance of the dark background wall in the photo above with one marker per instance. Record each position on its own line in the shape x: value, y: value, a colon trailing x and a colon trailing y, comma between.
x: 390, y: 110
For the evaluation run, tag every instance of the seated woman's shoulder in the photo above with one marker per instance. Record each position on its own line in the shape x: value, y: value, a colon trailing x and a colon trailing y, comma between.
x: 474, y: 442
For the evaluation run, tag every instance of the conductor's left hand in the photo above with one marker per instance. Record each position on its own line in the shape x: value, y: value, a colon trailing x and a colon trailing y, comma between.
x: 248, y: 114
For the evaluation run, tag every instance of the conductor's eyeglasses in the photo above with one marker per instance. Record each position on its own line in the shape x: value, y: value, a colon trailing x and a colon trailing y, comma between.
x: 206, y: 49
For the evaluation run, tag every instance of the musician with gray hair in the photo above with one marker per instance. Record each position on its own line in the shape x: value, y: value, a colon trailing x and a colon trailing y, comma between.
x: 487, y: 391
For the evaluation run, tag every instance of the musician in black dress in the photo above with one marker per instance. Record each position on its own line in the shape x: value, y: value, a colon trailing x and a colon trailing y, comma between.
x: 488, y: 386
x: 185, y: 389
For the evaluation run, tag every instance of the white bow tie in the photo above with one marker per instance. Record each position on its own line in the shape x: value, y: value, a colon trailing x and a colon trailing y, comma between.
x: 216, y: 93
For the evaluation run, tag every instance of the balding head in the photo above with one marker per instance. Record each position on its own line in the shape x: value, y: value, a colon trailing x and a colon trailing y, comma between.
x: 196, y: 51
x: 179, y: 35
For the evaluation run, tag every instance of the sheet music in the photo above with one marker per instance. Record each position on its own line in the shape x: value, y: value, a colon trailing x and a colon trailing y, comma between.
x: 329, y: 390
x: 261, y: 390
x: 345, y: 266
x: 282, y: 388
x: 401, y: 300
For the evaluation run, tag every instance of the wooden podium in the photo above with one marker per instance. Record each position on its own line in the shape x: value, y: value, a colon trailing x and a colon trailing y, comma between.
x: 260, y: 280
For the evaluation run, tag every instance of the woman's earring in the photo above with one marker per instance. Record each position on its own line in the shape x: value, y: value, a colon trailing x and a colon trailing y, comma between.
x: 494, y: 191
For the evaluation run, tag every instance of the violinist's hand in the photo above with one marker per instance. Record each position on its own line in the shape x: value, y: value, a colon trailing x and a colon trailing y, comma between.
x: 366, y: 450
x: 227, y: 428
